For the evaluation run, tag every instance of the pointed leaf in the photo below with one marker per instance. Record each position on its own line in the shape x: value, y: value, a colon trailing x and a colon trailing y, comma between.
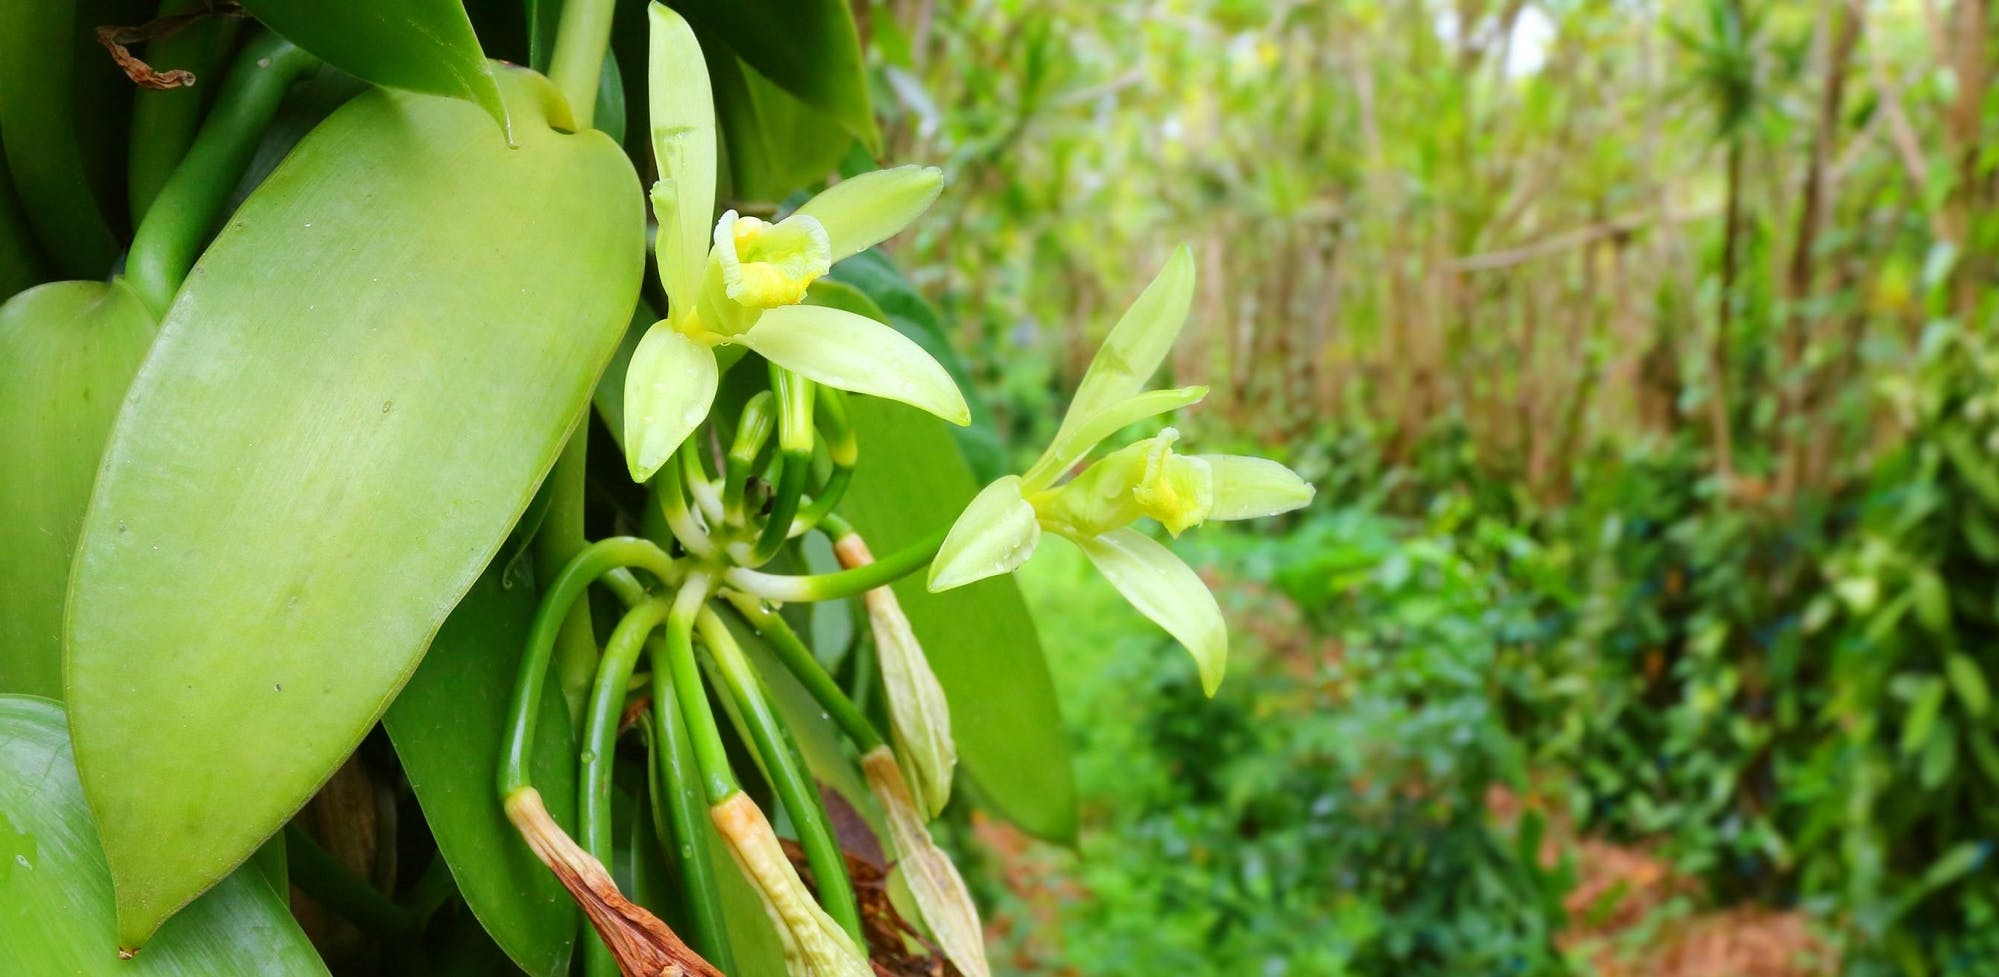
x: 994, y: 535
x: 1139, y: 342
x: 1251, y: 488
x: 1168, y: 591
x: 421, y: 45
x: 682, y: 113
x: 68, y: 350
x: 776, y: 143
x: 856, y: 353
x: 668, y: 390
x: 349, y: 404
x: 56, y: 913
x: 810, y: 48
x: 1012, y: 752
x: 452, y: 713
x: 863, y: 211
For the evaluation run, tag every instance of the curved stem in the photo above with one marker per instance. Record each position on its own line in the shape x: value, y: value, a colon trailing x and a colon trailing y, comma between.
x: 677, y: 796
x: 845, y: 583
x: 709, y: 755
x: 600, y: 736
x: 795, y: 787
x: 804, y: 666
x: 333, y: 885
x: 794, y: 440
x: 177, y: 227
x: 680, y: 520
x: 164, y: 122
x: 557, y: 541
x: 598, y: 559
x: 580, y: 41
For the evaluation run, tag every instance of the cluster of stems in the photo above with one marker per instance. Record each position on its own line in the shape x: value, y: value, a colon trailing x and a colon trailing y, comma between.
x: 718, y: 513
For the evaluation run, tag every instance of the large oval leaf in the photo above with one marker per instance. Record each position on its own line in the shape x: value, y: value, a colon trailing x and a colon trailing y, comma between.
x: 351, y: 400
x: 68, y: 350
x: 447, y: 725
x: 421, y: 45
x: 55, y: 892
x: 979, y: 638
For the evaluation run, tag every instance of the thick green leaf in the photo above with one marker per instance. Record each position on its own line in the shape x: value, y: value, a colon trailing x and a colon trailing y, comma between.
x: 447, y: 724
x: 20, y: 259
x: 422, y: 45
x: 350, y: 402
x: 979, y: 638
x: 809, y: 48
x: 68, y: 351
x: 55, y: 892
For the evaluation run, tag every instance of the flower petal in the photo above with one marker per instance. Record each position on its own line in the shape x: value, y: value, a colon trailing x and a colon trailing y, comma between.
x: 1166, y: 590
x: 1076, y: 439
x: 919, y: 717
x: 934, y: 883
x: 1248, y: 488
x: 1136, y: 346
x: 856, y: 353
x: 668, y: 390
x: 994, y: 535
x: 814, y: 945
x: 682, y: 110
x: 863, y: 211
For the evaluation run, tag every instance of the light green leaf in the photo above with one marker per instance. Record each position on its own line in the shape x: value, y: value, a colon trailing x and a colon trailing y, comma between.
x: 1073, y: 442
x: 1168, y: 591
x: 682, y: 113
x: 668, y: 390
x: 994, y: 535
x: 863, y: 211
x: 56, y: 913
x: 1139, y: 342
x: 810, y: 48
x: 350, y: 403
x: 68, y: 350
x: 421, y: 45
x: 445, y: 724
x: 1251, y: 488
x: 1968, y: 680
x: 981, y: 642
x: 855, y: 353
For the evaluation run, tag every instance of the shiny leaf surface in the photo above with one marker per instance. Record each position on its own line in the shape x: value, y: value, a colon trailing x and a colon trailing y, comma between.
x: 420, y: 45
x: 350, y: 403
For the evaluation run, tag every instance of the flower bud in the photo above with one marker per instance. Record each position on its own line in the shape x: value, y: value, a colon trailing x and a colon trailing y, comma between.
x: 641, y: 944
x: 814, y: 945
x: 939, y: 891
x: 919, y: 716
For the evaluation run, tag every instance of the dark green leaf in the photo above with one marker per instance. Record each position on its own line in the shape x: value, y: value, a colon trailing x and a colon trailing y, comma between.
x: 420, y: 45
x: 809, y: 48
x: 447, y: 726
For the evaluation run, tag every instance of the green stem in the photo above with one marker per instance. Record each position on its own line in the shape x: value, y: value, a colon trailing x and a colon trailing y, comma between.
x: 596, y: 560
x: 680, y: 521
x: 678, y: 797
x: 804, y: 666
x: 795, y: 787
x: 600, y: 733
x: 164, y: 122
x: 710, y: 757
x: 430, y: 891
x: 844, y: 583
x: 177, y: 226
x: 319, y: 875
x: 580, y: 41
x: 557, y: 541
x: 794, y: 439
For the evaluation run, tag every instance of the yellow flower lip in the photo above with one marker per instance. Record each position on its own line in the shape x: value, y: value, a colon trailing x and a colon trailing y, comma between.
x: 766, y: 265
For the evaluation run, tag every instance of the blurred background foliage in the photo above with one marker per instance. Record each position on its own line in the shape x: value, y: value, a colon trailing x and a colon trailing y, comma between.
x: 1644, y: 354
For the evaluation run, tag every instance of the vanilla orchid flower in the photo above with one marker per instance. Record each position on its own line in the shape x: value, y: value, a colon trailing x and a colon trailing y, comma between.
x: 740, y: 280
x: 1096, y: 509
